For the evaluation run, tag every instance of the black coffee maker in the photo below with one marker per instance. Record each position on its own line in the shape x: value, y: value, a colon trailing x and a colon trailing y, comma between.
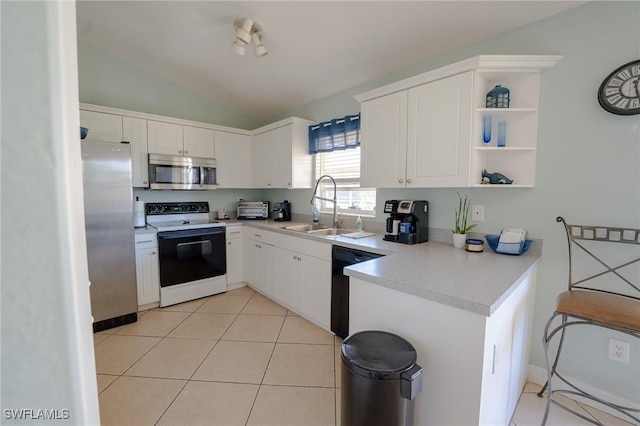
x: 282, y: 212
x: 408, y: 221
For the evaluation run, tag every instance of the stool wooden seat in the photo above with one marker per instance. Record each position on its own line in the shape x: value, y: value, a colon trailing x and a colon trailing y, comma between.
x: 589, y: 302
x: 607, y: 309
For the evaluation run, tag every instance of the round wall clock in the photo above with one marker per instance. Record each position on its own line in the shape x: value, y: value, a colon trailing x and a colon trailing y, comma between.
x: 619, y: 93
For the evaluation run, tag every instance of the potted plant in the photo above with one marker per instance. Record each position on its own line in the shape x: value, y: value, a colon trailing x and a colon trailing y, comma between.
x: 462, y: 226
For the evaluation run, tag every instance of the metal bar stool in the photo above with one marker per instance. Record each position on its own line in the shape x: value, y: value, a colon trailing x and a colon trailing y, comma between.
x: 592, y: 299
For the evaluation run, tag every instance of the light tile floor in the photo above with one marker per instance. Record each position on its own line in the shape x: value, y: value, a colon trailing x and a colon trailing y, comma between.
x: 238, y: 359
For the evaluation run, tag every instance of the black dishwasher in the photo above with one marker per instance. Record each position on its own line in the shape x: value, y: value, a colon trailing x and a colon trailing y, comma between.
x: 341, y: 257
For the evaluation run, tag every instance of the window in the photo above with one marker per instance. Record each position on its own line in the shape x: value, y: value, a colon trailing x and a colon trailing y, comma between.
x: 344, y: 167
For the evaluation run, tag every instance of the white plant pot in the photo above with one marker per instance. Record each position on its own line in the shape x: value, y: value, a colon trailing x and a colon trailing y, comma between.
x: 459, y: 240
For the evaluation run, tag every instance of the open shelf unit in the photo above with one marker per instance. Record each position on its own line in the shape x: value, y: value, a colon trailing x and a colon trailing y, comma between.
x: 517, y: 159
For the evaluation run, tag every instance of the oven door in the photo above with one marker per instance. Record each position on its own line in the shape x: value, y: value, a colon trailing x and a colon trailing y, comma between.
x: 191, y: 255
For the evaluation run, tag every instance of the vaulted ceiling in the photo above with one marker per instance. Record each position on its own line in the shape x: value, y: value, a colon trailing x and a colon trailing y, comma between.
x: 316, y: 48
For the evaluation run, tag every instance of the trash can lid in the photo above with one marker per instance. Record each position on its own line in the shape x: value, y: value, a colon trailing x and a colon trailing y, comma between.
x: 378, y: 354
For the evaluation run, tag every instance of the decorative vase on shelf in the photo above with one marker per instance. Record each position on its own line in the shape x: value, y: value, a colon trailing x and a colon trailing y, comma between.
x: 459, y: 240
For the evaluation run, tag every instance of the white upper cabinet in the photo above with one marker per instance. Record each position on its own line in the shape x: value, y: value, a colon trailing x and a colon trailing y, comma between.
x: 427, y: 130
x: 234, y: 160
x: 199, y: 142
x: 102, y: 127
x: 383, y: 132
x: 419, y: 137
x: 439, y: 133
x: 134, y: 130
x: 281, y: 156
x: 165, y: 138
x: 174, y: 139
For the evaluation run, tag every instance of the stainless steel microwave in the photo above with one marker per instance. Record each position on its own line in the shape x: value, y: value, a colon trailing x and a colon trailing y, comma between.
x: 185, y: 173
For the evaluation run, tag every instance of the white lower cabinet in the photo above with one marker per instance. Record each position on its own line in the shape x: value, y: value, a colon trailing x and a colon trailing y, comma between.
x: 286, y: 289
x: 235, y: 257
x: 295, y: 272
x: 259, y: 272
x: 313, y: 277
x: 147, y: 269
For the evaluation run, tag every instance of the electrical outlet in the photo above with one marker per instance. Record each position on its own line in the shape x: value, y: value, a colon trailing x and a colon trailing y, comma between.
x: 619, y: 351
x: 477, y: 213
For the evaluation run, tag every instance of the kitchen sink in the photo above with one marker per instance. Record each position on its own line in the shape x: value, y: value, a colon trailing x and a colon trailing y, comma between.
x: 331, y: 232
x: 306, y: 228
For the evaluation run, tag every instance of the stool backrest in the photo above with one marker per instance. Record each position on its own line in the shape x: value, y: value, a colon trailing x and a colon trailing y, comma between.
x: 609, y: 259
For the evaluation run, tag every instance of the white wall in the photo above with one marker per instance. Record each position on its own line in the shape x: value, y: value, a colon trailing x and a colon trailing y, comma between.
x: 47, y: 342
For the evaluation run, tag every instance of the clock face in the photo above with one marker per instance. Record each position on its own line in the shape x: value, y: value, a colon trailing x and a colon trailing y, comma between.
x: 619, y: 93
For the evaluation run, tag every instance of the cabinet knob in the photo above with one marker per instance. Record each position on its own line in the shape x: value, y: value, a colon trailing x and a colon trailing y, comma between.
x: 408, y: 180
x: 399, y: 180
x: 269, y: 184
x: 229, y: 243
x: 153, y: 252
x: 186, y: 152
x: 179, y: 151
x: 146, y: 182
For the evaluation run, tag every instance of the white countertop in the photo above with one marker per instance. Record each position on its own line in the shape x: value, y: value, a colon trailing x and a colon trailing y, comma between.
x: 474, y: 282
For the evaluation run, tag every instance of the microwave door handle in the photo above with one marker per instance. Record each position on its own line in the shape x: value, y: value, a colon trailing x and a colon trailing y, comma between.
x: 201, y: 176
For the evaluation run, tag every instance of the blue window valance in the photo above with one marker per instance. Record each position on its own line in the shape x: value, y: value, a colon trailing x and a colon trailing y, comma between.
x: 339, y: 133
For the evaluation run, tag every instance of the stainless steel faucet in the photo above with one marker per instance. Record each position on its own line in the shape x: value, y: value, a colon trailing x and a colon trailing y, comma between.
x: 334, y: 200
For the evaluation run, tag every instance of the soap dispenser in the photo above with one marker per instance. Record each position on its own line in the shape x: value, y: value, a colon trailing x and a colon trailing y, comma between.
x: 358, y: 224
x: 314, y: 215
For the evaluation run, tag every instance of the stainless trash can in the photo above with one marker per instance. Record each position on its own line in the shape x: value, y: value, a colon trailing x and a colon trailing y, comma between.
x: 379, y: 379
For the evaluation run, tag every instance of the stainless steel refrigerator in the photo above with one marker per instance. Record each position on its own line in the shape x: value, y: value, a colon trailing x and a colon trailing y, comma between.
x: 108, y: 212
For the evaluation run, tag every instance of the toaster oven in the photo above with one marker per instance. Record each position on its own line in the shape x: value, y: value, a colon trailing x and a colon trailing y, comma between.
x: 253, y: 210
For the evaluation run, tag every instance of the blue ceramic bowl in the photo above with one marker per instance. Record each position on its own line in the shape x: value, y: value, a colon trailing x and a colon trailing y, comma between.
x: 83, y: 132
x: 493, y: 240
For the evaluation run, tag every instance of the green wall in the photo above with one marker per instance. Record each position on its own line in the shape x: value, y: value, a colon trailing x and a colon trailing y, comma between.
x: 588, y: 166
x: 109, y: 81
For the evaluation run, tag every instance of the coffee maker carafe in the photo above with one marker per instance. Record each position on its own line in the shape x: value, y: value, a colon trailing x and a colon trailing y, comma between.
x: 283, y: 211
x: 407, y: 222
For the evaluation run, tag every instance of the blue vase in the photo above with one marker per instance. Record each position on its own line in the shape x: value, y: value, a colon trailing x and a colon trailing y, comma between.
x: 486, y: 129
x: 502, y: 133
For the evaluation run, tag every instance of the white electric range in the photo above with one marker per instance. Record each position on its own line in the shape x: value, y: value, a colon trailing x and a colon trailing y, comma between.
x: 192, y: 251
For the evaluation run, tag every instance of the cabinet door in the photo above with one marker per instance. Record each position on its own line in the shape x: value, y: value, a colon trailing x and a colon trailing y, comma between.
x: 313, y: 275
x: 262, y: 160
x: 198, y: 142
x: 252, y: 264
x: 234, y: 261
x: 439, y: 139
x: 234, y: 160
x: 134, y: 130
x: 282, y: 157
x: 147, y: 276
x: 384, y: 142
x: 102, y: 127
x: 285, y: 284
x: 165, y: 138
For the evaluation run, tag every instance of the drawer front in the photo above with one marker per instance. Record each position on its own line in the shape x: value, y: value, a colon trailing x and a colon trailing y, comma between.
x: 234, y: 232
x: 146, y: 241
x: 261, y: 235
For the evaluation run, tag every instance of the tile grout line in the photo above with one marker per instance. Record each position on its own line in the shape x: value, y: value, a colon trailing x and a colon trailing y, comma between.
x: 267, y: 368
x: 187, y: 381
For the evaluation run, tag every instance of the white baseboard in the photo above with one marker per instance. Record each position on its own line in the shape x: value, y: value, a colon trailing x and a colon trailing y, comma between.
x: 236, y: 285
x: 538, y: 376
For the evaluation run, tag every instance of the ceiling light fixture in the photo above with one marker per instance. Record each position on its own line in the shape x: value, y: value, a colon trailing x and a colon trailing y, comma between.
x: 247, y: 31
